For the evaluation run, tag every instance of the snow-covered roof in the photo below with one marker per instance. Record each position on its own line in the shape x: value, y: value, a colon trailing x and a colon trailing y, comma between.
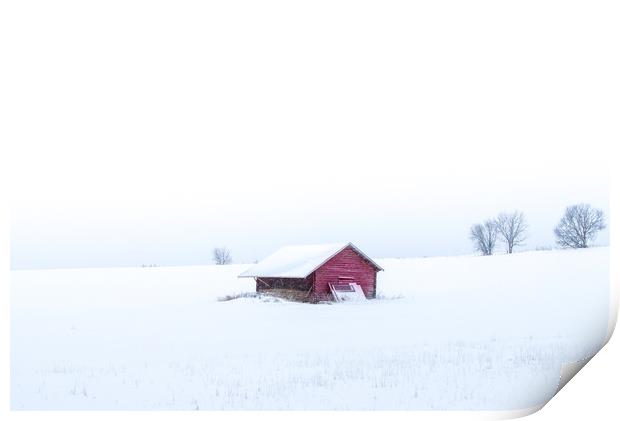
x: 298, y: 261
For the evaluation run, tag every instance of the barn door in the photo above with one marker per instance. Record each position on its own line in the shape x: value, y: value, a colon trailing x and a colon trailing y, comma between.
x: 347, y: 292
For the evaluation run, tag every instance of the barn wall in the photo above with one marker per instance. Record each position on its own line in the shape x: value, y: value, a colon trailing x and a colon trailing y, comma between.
x: 283, y: 283
x: 347, y: 263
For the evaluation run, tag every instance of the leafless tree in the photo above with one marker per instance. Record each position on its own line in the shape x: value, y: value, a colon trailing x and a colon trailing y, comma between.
x: 221, y: 256
x: 511, y: 228
x: 579, y: 226
x: 484, y: 236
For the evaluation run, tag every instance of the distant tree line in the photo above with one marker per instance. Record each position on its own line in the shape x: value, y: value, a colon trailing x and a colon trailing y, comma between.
x: 578, y: 227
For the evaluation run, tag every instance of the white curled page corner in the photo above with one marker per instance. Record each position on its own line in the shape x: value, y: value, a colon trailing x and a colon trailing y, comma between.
x: 569, y: 370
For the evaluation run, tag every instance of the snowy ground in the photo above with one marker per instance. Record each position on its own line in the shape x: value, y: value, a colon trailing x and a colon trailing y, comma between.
x: 447, y: 333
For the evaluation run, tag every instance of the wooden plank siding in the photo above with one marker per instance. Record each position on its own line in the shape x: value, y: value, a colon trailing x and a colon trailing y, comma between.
x: 346, y: 266
x: 284, y: 283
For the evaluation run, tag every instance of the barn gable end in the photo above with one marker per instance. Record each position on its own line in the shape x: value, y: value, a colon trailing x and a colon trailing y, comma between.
x: 345, y: 267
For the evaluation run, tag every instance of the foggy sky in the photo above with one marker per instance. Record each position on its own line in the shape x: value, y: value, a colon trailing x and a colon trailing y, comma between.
x: 395, y: 127
x: 399, y: 222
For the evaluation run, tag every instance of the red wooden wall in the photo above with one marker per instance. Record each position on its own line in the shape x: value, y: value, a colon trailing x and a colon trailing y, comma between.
x: 346, y: 264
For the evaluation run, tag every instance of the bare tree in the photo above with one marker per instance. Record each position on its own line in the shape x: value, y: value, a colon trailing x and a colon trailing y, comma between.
x: 579, y: 226
x: 221, y: 256
x: 511, y: 228
x: 484, y: 236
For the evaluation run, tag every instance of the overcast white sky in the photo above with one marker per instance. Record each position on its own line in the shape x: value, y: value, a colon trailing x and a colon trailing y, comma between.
x: 152, y: 135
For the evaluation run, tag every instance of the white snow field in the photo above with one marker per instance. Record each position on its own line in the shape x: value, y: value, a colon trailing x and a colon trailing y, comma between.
x: 446, y: 333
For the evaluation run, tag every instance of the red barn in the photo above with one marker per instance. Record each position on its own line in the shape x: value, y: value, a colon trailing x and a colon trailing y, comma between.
x: 311, y: 273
